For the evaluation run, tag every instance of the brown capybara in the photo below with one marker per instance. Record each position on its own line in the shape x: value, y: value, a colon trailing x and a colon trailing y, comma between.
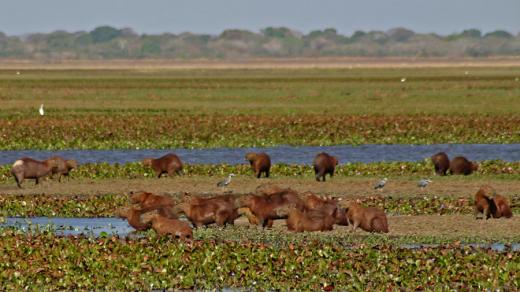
x: 266, y: 208
x: 63, y: 166
x: 367, y: 218
x: 149, y: 202
x: 502, y: 207
x: 169, y: 163
x: 328, y: 205
x: 460, y: 165
x: 484, y: 204
x: 441, y: 163
x: 324, y: 164
x: 175, y: 227
x: 203, y: 211
x: 260, y: 163
x: 31, y: 169
x: 133, y: 216
x: 313, y: 220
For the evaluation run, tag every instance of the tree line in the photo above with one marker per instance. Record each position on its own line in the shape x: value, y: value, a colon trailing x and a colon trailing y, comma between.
x: 107, y: 42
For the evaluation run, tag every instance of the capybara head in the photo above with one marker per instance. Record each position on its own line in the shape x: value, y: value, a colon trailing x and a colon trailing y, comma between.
x: 139, y: 197
x: 334, y: 160
x: 71, y: 164
x: 474, y: 166
x: 147, y: 161
x: 123, y: 212
x: 251, y: 156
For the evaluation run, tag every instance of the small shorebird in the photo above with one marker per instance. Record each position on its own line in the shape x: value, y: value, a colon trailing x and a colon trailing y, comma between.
x: 225, y: 182
x: 381, y: 184
x: 424, y: 183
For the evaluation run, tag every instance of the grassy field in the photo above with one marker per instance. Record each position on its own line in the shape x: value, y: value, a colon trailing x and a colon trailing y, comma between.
x: 152, y: 107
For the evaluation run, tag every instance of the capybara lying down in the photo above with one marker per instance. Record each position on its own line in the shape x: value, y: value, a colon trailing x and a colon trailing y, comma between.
x: 483, y: 203
x: 63, y: 166
x: 149, y: 202
x: 169, y: 163
x: 367, y: 218
x: 502, y: 207
x: 313, y: 220
x: 324, y: 164
x: 221, y: 210
x: 133, y: 216
x: 441, y: 163
x: 31, y: 169
x: 266, y: 208
x: 260, y: 163
x: 175, y: 227
x: 461, y: 165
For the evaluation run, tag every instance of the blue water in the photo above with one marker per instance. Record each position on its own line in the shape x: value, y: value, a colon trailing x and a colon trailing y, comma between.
x: 284, y: 154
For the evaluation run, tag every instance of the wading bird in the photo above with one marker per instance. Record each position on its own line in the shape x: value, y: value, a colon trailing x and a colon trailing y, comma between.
x: 41, y: 110
x: 381, y: 184
x: 225, y: 182
x: 424, y: 183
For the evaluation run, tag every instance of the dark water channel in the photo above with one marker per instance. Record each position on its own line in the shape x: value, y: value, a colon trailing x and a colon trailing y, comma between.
x: 285, y: 154
x: 95, y: 227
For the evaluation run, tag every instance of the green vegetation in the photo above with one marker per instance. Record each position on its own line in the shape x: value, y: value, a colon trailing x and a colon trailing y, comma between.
x: 44, y: 261
x: 106, y: 42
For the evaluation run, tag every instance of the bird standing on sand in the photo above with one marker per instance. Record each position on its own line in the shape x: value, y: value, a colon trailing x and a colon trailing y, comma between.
x: 41, y: 110
x: 225, y: 182
x: 423, y: 183
x: 381, y: 184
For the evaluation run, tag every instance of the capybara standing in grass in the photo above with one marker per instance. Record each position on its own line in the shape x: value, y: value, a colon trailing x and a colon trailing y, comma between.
x: 260, y: 163
x: 133, y: 216
x: 313, y: 220
x: 169, y: 163
x: 502, y: 207
x: 201, y: 211
x: 149, y: 202
x: 324, y: 164
x: 175, y: 227
x: 441, y: 163
x: 461, y: 165
x: 31, y: 169
x: 484, y: 204
x: 367, y: 218
x: 63, y: 166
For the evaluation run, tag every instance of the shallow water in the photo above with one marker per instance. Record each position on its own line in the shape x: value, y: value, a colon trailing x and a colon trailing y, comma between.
x: 95, y: 227
x: 285, y: 154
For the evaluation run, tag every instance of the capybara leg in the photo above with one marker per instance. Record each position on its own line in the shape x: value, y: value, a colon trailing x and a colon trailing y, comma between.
x: 258, y: 174
x: 476, y: 213
x: 487, y: 213
x: 159, y: 174
x: 179, y: 172
x: 37, y: 181
x: 354, y: 227
x: 267, y: 173
x: 270, y: 223
x: 18, y: 181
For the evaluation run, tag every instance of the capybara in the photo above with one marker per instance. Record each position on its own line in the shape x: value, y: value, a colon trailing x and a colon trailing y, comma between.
x: 441, y: 163
x: 461, y: 165
x: 324, y: 164
x: 31, y: 169
x: 260, y: 163
x: 328, y: 205
x: 175, y: 227
x: 149, y: 202
x: 63, y: 166
x: 169, y: 163
x: 266, y: 207
x: 221, y: 210
x: 484, y: 204
x: 367, y: 218
x: 313, y: 220
x: 502, y: 207
x: 133, y: 216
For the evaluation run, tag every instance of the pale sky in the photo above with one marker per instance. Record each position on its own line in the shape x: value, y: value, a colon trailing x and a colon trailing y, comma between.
x: 213, y: 16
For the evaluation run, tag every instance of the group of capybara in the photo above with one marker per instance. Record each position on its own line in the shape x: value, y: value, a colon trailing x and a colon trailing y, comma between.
x: 458, y: 165
x: 28, y: 168
x: 302, y: 212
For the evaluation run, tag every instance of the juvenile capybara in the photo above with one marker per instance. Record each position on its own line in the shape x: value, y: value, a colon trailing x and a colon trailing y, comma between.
x: 483, y: 203
x: 149, y: 202
x: 31, y: 169
x: 367, y: 218
x: 175, y: 227
x: 169, y: 163
x: 502, y: 207
x: 324, y: 164
x: 313, y: 220
x: 63, y: 166
x: 441, y: 163
x: 260, y: 163
x: 133, y: 216
x: 461, y: 165
x: 221, y: 210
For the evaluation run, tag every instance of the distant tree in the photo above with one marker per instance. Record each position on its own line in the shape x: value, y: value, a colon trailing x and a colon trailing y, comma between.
x: 400, y: 34
x: 471, y: 33
x: 499, y: 34
x: 358, y: 34
x: 104, y: 34
x: 277, y: 32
